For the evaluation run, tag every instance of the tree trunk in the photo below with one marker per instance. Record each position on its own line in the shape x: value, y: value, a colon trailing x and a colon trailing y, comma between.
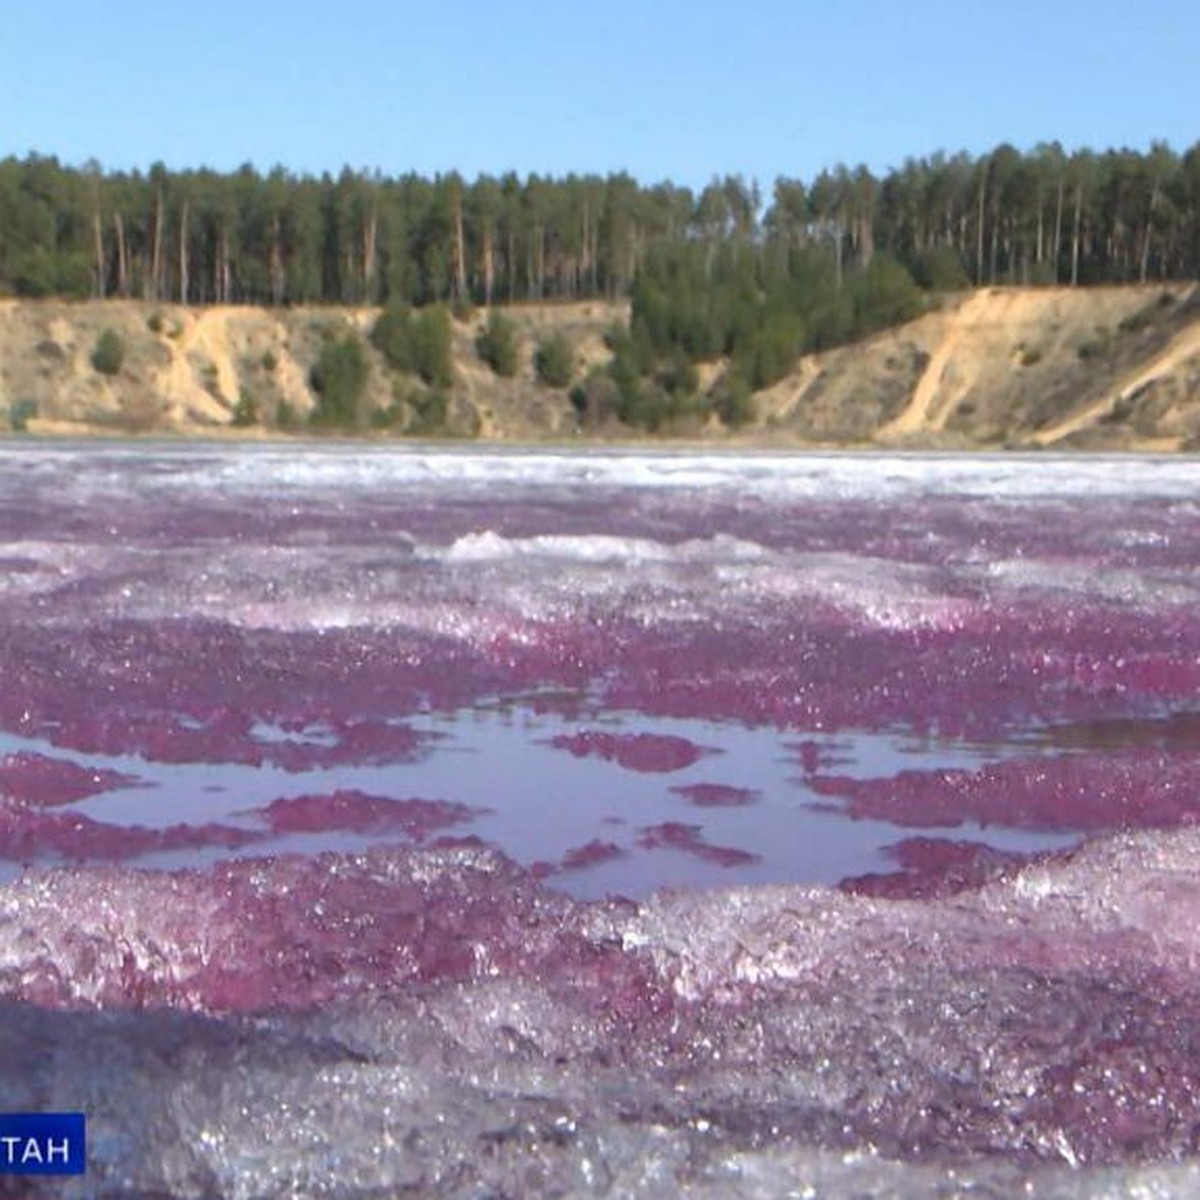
x: 153, y: 287
x: 585, y: 247
x: 460, y: 250
x: 275, y: 265
x: 1145, y: 263
x: 370, y: 264
x: 1037, y: 257
x: 1058, y: 215
x: 488, y: 255
x: 98, y: 247
x: 183, y: 254
x: 979, y: 232
x: 1075, y: 235
x: 122, y: 256
x: 224, y: 274
x: 866, y: 242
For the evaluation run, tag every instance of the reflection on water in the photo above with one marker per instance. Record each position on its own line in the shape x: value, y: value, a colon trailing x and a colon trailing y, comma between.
x: 1174, y: 731
x: 543, y: 804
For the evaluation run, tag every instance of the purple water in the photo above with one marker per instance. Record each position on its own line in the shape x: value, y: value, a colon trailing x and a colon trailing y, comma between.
x: 616, y: 824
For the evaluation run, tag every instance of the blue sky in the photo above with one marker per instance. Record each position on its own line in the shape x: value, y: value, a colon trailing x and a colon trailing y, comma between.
x: 664, y: 89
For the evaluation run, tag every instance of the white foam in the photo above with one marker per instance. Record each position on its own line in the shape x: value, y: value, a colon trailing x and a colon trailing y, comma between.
x: 325, y: 580
x: 602, y: 549
x: 1095, y: 581
x: 868, y: 476
x: 484, y: 582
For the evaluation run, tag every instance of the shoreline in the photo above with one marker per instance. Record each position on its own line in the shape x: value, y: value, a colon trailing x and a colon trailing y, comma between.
x: 1147, y: 447
x: 993, y: 370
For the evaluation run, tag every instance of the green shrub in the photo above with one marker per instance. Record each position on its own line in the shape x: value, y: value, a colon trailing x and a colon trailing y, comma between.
x: 614, y: 335
x: 20, y: 413
x: 884, y: 294
x: 155, y: 323
x: 596, y: 398
x: 269, y: 361
x: 644, y: 405
x: 941, y: 269
x: 390, y: 336
x: 1030, y: 357
x: 554, y: 361
x: 245, y: 412
x: 432, y: 343
x: 769, y: 351
x: 1135, y: 322
x: 648, y: 406
x: 389, y: 417
x: 680, y: 377
x: 339, y: 378
x: 430, y: 410
x: 497, y: 345
x: 419, y: 343
x: 734, y: 402
x: 1096, y: 347
x: 109, y: 354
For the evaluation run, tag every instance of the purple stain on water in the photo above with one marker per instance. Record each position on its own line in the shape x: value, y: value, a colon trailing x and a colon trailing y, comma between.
x: 590, y: 854
x: 361, y: 813
x: 602, y: 824
x: 716, y: 795
x: 646, y: 752
x: 932, y: 867
x: 38, y: 779
x: 1122, y: 789
x: 677, y: 835
x: 30, y: 835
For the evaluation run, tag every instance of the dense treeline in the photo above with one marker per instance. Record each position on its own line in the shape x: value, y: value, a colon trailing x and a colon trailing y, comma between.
x: 723, y: 274
x: 203, y: 237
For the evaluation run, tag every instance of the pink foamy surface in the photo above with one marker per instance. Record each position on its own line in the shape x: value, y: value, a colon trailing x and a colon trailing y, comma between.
x: 648, y: 819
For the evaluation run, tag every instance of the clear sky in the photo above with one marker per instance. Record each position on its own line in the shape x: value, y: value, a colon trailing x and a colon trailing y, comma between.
x: 665, y: 89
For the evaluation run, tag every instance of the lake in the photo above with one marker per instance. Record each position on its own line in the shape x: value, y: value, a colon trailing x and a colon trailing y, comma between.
x: 499, y: 821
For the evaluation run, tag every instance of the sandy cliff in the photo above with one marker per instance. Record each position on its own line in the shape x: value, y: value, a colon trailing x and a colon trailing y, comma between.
x: 1106, y: 368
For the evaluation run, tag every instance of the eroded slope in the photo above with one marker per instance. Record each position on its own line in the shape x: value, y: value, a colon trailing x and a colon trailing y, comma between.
x: 1106, y: 368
